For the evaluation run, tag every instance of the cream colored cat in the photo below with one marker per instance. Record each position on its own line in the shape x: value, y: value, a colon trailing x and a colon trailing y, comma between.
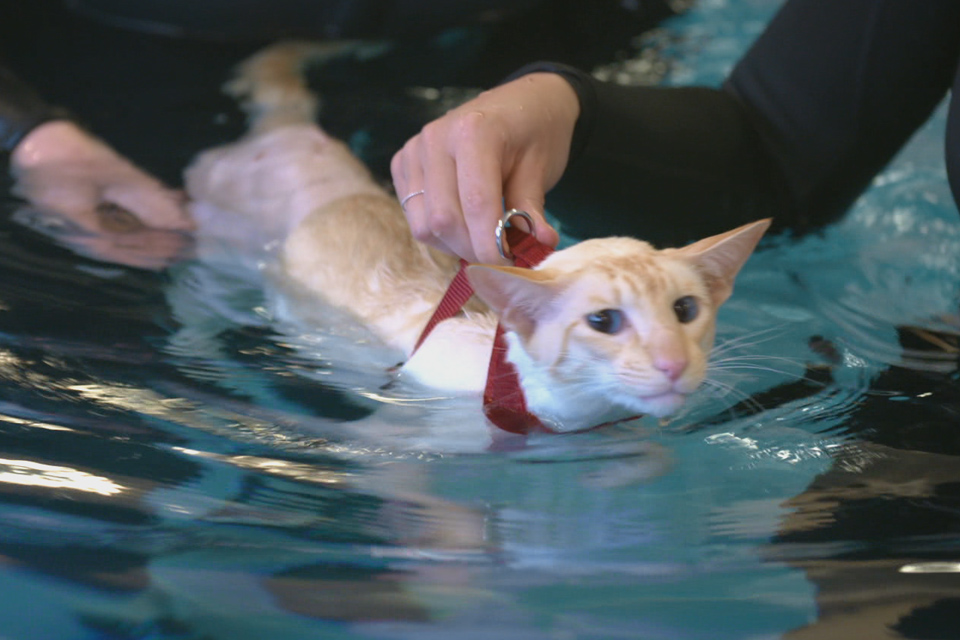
x: 601, y: 330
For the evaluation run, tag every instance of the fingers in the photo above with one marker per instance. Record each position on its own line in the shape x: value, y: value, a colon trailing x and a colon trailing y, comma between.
x: 407, y: 182
x: 479, y: 179
x: 503, y: 149
x: 457, y: 165
x: 62, y: 168
x: 407, y: 171
x: 152, y: 203
x: 444, y: 215
x: 462, y: 200
x: 115, y: 219
x: 435, y: 216
x: 524, y: 192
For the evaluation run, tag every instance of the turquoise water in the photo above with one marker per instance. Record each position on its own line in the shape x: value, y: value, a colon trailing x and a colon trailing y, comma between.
x: 173, y: 465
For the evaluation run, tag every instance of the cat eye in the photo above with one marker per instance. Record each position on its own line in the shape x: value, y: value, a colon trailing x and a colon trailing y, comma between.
x: 606, y: 321
x: 686, y: 309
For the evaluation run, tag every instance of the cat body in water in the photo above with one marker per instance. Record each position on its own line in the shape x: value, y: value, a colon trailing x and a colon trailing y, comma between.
x: 601, y: 330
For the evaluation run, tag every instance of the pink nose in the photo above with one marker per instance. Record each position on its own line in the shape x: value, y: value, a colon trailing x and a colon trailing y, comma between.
x: 671, y: 366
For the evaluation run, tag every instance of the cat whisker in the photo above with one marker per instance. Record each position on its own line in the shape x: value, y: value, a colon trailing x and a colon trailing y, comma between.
x: 758, y: 363
x: 721, y: 391
x: 590, y: 379
x: 751, y: 339
x: 759, y: 357
x: 754, y: 367
x: 581, y: 358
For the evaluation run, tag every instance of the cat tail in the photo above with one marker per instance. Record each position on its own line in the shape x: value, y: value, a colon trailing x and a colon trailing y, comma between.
x: 272, y: 87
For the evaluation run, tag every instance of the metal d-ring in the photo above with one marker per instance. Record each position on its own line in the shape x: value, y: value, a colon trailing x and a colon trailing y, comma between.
x: 504, y: 224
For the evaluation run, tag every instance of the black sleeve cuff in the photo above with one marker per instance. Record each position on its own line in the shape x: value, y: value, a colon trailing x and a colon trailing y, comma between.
x: 21, y: 110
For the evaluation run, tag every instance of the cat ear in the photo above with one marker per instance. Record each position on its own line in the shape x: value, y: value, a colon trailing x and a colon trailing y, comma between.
x: 721, y: 257
x: 519, y: 296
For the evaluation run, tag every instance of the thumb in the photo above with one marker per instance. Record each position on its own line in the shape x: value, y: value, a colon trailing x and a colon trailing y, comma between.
x: 533, y: 205
x: 149, y: 200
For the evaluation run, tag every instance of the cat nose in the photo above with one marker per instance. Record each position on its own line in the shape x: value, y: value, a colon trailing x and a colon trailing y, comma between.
x: 671, y: 366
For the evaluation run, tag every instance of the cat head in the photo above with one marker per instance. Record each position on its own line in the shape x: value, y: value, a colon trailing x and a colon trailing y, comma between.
x: 615, y: 321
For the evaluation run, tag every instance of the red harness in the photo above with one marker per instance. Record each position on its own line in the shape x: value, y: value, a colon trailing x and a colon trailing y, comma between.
x: 503, y: 400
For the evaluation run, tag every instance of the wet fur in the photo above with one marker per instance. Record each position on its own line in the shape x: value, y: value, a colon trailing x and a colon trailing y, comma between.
x: 345, y: 241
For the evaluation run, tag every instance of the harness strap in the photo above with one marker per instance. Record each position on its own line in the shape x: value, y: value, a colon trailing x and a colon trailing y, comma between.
x: 503, y: 400
x: 458, y: 293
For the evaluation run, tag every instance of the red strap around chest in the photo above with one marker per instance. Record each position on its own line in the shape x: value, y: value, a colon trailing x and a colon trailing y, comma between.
x: 503, y: 400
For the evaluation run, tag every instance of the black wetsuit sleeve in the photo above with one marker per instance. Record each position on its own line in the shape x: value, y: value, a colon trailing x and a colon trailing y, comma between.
x: 21, y: 109
x: 820, y: 103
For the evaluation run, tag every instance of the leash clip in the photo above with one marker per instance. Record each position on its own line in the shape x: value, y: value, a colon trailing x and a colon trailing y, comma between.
x: 505, y: 224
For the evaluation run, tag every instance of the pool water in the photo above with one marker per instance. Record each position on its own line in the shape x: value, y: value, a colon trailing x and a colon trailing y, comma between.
x: 176, y: 465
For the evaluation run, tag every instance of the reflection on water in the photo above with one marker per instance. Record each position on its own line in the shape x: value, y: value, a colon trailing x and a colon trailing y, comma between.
x: 27, y: 473
x: 173, y: 464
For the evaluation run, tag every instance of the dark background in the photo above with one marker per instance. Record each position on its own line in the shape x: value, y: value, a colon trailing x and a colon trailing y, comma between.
x: 153, y: 91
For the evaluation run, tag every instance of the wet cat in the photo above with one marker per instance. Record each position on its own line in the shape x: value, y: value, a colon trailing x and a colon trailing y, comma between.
x: 600, y: 330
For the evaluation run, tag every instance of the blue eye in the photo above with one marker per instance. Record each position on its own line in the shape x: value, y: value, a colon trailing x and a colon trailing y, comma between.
x: 686, y: 309
x: 606, y: 321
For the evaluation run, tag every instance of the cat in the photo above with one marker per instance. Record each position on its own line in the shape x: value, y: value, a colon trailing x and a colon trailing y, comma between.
x: 601, y: 330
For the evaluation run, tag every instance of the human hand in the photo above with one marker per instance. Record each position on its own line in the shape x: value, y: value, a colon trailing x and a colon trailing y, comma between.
x: 109, y: 209
x: 504, y: 149
x: 60, y: 168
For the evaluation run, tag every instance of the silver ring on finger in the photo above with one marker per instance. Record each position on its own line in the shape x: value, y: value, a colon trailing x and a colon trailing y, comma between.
x: 406, y: 199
